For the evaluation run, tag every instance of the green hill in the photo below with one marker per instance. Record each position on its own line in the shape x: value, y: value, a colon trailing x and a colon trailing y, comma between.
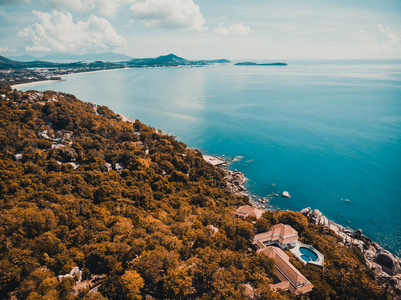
x: 131, y: 207
x: 6, y: 63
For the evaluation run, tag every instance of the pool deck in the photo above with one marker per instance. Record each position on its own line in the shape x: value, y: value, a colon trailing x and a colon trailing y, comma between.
x: 318, y: 262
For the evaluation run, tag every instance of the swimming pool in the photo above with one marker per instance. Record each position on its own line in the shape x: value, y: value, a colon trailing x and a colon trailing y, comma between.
x: 308, y: 254
x: 305, y: 258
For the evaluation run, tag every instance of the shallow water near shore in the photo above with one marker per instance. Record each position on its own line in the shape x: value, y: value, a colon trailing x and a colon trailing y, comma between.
x: 328, y: 132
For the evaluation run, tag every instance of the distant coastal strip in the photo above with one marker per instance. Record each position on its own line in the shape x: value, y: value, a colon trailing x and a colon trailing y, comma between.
x: 264, y: 64
x: 17, y: 72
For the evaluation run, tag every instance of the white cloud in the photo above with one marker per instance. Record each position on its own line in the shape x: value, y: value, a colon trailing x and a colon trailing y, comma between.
x: 7, y: 49
x: 76, y: 5
x: 105, y: 7
x: 14, y: 1
x: 171, y: 14
x: 57, y: 32
x: 385, y: 37
x: 235, y: 29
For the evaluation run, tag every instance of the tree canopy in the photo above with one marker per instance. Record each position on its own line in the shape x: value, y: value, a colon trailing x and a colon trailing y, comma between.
x: 79, y: 186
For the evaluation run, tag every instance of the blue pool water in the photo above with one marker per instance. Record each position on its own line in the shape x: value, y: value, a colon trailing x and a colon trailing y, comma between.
x: 329, y: 132
x: 308, y: 254
x: 305, y: 258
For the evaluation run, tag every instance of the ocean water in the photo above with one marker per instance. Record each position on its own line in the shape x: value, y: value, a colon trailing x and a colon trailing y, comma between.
x: 328, y: 132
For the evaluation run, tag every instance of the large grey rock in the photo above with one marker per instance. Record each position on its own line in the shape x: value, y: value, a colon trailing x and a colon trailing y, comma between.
x: 306, y: 212
x: 388, y: 262
x: 382, y: 277
x: 377, y: 269
x: 369, y: 254
x: 359, y: 244
x: 315, y: 217
x: 357, y: 234
x: 335, y: 227
x: 366, y: 240
x: 324, y: 221
x: 376, y: 245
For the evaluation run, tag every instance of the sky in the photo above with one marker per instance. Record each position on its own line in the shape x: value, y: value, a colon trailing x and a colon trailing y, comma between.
x: 204, y: 29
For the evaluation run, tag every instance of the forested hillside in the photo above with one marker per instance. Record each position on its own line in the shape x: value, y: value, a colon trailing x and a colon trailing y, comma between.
x: 132, y: 208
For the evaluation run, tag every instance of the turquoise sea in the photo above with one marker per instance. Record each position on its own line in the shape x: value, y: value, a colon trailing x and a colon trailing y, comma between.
x: 328, y: 132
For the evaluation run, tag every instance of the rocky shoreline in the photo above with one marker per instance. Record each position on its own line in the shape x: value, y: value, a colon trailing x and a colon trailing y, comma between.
x: 386, y: 266
x: 234, y: 179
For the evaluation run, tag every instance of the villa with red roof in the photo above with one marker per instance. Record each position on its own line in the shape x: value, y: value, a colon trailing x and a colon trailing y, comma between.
x: 270, y: 243
x: 291, y: 279
x: 248, y: 211
x: 283, y: 236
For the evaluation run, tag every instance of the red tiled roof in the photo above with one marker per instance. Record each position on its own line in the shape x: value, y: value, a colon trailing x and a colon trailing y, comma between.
x: 279, y: 232
x: 286, y: 271
x: 246, y: 210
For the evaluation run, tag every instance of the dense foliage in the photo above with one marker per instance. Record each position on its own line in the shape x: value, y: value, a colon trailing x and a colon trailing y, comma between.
x: 81, y: 187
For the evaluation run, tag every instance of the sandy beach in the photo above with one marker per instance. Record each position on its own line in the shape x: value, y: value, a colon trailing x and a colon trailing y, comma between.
x: 20, y: 85
x: 67, y: 75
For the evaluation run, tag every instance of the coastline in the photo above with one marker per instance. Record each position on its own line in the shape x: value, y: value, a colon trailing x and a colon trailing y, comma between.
x: 89, y: 72
x: 19, y: 85
x: 386, y: 266
x: 234, y: 178
x: 320, y: 220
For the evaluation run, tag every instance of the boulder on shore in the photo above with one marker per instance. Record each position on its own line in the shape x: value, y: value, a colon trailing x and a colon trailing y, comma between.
x: 306, y: 212
x: 388, y: 262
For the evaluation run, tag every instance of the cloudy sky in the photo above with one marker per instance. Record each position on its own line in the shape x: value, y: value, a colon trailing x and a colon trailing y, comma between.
x: 195, y: 29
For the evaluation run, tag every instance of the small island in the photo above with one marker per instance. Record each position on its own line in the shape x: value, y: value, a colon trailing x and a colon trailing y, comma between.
x: 264, y: 64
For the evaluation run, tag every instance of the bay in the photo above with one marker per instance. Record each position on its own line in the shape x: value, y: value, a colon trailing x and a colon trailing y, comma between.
x: 329, y: 132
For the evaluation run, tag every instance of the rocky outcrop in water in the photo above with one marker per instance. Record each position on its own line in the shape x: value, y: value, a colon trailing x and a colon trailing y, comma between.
x: 385, y: 266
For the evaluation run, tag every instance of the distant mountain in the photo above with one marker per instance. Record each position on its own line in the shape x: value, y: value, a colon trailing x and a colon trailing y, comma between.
x: 24, y: 58
x: 90, y: 56
x: 164, y: 60
x: 6, y: 63
x: 172, y: 60
x: 4, y: 59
